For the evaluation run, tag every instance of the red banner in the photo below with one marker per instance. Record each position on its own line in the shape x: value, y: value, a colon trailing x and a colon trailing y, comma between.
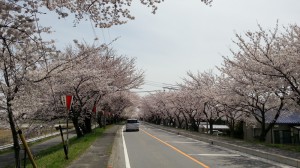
x: 69, y: 100
x: 94, y: 109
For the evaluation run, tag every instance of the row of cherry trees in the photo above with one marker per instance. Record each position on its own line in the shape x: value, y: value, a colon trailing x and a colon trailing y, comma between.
x: 35, y: 74
x: 99, y: 79
x: 95, y: 75
x: 255, y: 84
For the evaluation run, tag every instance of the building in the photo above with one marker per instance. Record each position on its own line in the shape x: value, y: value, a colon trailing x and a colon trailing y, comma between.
x: 204, y: 127
x: 285, y: 131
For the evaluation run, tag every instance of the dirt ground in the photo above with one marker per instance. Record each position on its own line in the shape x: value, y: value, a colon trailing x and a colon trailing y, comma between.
x: 5, y: 133
x: 5, y: 136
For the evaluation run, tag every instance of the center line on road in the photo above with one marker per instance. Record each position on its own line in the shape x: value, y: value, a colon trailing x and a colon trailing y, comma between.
x: 180, y: 142
x: 207, y: 154
x: 177, y: 150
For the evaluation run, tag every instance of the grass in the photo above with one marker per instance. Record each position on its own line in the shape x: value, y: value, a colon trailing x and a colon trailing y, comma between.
x: 287, y: 147
x: 54, y: 157
x: 293, y: 148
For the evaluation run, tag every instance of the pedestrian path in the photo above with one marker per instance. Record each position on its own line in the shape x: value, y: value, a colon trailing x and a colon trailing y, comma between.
x: 98, y: 154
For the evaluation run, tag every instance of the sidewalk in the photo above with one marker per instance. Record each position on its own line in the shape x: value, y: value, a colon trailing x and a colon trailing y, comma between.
x: 274, y: 154
x: 98, y: 154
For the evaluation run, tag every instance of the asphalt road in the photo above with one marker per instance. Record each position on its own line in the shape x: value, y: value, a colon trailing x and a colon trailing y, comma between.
x: 151, y: 147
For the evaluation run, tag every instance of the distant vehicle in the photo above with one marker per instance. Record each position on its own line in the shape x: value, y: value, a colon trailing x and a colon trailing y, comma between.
x: 216, y: 132
x: 132, y: 125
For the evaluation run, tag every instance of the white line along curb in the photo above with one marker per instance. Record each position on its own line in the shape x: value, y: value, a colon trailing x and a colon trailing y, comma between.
x: 127, y: 163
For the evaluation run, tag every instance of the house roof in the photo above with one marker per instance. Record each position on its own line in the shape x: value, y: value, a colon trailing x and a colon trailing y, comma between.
x: 215, y: 126
x: 286, y: 117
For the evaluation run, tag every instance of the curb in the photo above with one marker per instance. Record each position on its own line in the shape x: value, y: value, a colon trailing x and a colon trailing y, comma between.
x: 113, y: 155
x: 117, y: 156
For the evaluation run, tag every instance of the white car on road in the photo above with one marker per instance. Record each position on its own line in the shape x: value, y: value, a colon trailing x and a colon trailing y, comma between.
x: 132, y: 125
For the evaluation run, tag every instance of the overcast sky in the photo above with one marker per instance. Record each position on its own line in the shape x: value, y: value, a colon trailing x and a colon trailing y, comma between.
x: 183, y: 35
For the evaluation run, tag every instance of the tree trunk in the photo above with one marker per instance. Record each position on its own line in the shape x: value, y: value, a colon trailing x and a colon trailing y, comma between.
x: 211, y: 123
x: 263, y: 133
x: 231, y: 127
x: 74, y: 116
x: 198, y: 124
x: 165, y: 122
x: 194, y: 126
x: 186, y: 122
x: 77, y: 128
x: 172, y: 123
x: 14, y: 134
x: 88, y: 123
x: 99, y: 120
x: 262, y: 137
x: 83, y: 128
x: 179, y: 121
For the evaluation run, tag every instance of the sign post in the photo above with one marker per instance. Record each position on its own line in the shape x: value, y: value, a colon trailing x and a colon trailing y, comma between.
x: 67, y: 101
x: 95, y: 111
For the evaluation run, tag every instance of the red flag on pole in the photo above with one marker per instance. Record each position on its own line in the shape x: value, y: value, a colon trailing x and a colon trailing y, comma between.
x: 94, y: 109
x: 67, y: 101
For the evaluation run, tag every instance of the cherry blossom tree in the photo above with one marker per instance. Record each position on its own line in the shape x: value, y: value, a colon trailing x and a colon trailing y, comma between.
x: 163, y: 107
x: 257, y: 82
x: 262, y: 96
x: 188, y: 103
x: 279, y: 57
x: 148, y: 109
x: 178, y: 114
x: 104, y: 13
x: 162, y: 102
x: 22, y: 62
x: 229, y: 103
x: 33, y: 81
x: 204, y: 87
x: 117, y: 104
x: 101, y: 73
x: 151, y: 111
x: 26, y: 59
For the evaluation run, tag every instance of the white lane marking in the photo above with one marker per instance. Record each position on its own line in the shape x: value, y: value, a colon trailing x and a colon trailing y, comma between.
x: 161, y: 130
x: 207, y: 154
x: 127, y: 163
x: 180, y: 142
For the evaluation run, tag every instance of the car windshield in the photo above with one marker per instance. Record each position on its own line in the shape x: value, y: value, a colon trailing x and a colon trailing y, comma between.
x: 132, y: 121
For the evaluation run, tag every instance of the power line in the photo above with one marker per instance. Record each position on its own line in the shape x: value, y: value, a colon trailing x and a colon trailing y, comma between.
x: 146, y: 91
x: 159, y: 84
x: 154, y: 85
